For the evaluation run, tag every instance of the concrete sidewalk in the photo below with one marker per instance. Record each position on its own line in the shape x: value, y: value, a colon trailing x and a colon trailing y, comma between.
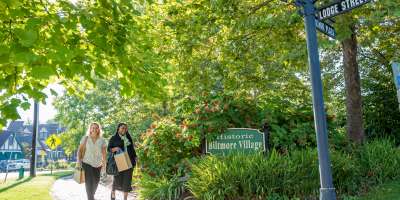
x: 14, y: 175
x: 67, y: 189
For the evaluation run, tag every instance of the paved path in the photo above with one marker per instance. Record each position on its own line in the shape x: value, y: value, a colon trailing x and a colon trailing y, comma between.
x: 14, y: 175
x: 67, y: 189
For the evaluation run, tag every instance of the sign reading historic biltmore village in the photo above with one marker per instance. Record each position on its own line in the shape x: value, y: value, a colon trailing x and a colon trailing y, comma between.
x: 237, y: 139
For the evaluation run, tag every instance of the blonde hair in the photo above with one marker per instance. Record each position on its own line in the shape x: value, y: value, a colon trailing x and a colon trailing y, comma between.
x: 98, y: 125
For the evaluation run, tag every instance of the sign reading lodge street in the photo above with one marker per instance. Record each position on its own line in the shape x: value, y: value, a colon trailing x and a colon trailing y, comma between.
x: 237, y: 139
x: 339, y: 8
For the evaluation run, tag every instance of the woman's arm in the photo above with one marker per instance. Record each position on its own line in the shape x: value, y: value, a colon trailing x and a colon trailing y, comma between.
x: 80, y: 148
x: 112, y: 147
x: 104, y: 154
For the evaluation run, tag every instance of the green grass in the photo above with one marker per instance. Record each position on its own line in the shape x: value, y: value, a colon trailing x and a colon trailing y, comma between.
x: 31, y: 188
x: 389, y: 191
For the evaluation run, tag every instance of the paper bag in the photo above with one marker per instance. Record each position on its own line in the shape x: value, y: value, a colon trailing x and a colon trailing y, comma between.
x: 123, y: 161
x: 79, y: 175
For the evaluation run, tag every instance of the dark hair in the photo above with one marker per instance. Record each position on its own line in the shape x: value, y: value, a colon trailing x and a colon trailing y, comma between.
x: 119, y: 126
x: 127, y: 132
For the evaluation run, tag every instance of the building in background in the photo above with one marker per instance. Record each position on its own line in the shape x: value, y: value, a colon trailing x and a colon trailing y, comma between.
x: 22, y: 134
x: 10, y: 149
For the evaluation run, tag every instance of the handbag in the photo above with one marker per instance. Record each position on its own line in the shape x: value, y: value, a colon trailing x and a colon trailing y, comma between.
x: 123, y: 161
x: 79, y: 174
x: 111, y: 167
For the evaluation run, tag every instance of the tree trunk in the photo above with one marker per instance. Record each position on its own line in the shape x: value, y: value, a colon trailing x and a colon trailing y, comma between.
x: 355, y: 130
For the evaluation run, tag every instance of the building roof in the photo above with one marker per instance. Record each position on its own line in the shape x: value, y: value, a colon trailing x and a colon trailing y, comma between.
x: 16, y: 126
x: 28, y: 140
x: 4, y: 135
x: 24, y: 132
x: 48, y: 128
x: 21, y: 129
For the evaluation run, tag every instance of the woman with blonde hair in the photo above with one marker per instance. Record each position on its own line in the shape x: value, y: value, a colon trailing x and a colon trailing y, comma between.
x: 92, y: 157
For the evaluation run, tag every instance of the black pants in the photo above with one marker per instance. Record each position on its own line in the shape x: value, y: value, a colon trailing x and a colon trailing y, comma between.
x: 92, y: 179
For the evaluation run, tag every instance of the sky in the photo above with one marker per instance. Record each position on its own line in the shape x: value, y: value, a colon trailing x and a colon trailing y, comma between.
x: 46, y: 111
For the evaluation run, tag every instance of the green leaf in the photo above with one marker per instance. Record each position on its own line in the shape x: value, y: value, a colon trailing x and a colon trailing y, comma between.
x: 24, y: 57
x: 9, y: 111
x: 25, y: 105
x: 4, y: 59
x: 53, y: 92
x: 13, y: 3
x: 34, y: 23
x: 42, y: 72
x: 397, y: 13
x: 4, y: 50
x: 27, y: 37
x: 15, y: 101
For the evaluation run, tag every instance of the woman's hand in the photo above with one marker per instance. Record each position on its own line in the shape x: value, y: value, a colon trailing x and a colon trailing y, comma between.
x: 115, y: 149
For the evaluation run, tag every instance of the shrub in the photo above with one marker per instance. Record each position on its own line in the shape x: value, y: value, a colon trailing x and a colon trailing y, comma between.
x: 301, y: 174
x: 165, y: 147
x: 379, y: 161
x: 255, y: 176
x: 60, y: 164
x: 346, y: 172
x: 72, y: 164
x: 293, y: 175
x: 162, y: 188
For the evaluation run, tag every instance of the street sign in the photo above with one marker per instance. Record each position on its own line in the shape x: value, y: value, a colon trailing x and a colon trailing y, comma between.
x: 53, y: 141
x: 42, y: 153
x: 396, y: 77
x: 325, y: 28
x: 237, y: 139
x: 339, y: 7
x: 327, y: 189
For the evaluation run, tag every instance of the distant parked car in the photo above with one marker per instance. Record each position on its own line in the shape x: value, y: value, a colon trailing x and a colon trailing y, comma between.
x: 14, y: 165
x: 25, y: 163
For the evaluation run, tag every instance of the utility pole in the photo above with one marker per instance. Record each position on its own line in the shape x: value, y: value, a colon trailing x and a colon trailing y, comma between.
x: 327, y: 190
x: 34, y: 135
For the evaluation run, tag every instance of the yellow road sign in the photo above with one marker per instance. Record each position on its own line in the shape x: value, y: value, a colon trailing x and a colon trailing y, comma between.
x: 53, y: 141
x: 42, y: 153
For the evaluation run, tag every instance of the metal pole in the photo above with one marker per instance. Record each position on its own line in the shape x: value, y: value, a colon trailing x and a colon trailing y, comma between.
x: 327, y: 190
x: 34, y: 135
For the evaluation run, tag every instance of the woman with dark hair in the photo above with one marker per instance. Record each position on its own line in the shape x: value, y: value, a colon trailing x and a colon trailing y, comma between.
x: 122, y: 140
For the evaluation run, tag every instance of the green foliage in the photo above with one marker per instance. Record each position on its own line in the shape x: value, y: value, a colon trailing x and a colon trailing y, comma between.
x: 294, y: 175
x: 104, y: 104
x: 60, y: 164
x: 57, y: 41
x: 255, y: 176
x: 346, y: 172
x: 212, y: 114
x: 379, y: 161
x: 161, y: 188
x: 165, y: 148
x: 381, y: 106
x: 387, y: 191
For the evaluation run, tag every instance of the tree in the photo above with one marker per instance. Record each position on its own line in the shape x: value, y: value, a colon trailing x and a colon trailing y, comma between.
x: 360, y: 24
x: 46, y: 41
x: 104, y: 104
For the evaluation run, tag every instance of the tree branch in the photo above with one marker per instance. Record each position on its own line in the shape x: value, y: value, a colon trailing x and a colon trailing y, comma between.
x: 383, y: 57
x: 259, y: 6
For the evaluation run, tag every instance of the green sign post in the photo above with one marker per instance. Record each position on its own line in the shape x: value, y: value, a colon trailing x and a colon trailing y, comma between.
x: 237, y: 139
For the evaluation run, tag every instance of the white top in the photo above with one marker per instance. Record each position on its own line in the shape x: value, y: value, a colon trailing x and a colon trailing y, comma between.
x: 93, y: 155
